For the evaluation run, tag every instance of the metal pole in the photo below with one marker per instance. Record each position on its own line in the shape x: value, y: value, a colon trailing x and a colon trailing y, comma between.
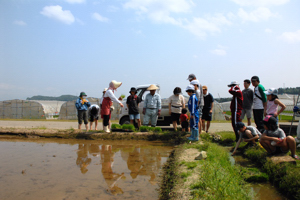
x: 293, y: 115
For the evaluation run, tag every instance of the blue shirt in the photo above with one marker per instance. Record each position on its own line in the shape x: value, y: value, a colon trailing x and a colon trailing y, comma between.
x: 152, y: 101
x: 81, y: 106
x: 193, y: 105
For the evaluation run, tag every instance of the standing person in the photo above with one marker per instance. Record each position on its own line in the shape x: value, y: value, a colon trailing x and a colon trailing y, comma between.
x: 152, y: 106
x: 207, y: 108
x: 247, y: 134
x: 133, y: 106
x: 184, y: 120
x: 82, y: 105
x: 193, y: 108
x: 199, y: 93
x: 247, y: 102
x: 274, y: 139
x: 272, y: 103
x: 93, y: 113
x: 176, y: 103
x: 101, y: 100
x: 108, y: 98
x: 236, y: 106
x: 259, y: 103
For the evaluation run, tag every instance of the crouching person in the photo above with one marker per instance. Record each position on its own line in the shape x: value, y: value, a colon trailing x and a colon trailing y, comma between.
x: 193, y: 108
x: 274, y: 139
x: 93, y: 112
x: 247, y: 134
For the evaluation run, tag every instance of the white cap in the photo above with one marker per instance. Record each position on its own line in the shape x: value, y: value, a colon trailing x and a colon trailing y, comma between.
x: 233, y: 83
x: 190, y: 87
x: 271, y: 91
x: 195, y: 82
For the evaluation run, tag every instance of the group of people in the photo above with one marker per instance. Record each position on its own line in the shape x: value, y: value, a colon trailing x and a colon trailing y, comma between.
x: 264, y: 105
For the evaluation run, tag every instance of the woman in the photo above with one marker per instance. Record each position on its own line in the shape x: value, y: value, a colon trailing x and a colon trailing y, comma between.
x: 108, y: 98
x: 176, y: 103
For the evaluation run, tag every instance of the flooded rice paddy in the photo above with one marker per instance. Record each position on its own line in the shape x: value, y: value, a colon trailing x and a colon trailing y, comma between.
x: 80, y: 169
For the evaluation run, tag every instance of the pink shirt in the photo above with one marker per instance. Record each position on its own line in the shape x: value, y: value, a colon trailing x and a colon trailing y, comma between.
x: 272, y: 108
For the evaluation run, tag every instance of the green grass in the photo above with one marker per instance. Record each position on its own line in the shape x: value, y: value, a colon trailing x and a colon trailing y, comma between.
x: 219, y: 179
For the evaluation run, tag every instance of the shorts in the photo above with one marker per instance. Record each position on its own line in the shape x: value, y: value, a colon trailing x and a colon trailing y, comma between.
x: 278, y: 150
x: 184, y: 124
x: 82, y: 115
x: 207, y: 116
x: 134, y: 116
x: 175, y: 117
x: 93, y: 118
x: 247, y: 112
x: 200, y: 113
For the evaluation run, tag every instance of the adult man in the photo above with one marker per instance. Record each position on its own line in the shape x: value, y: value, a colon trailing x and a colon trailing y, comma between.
x: 207, y: 108
x: 93, y: 113
x: 82, y: 105
x: 152, y: 106
x: 236, y: 106
x: 199, y: 95
x: 247, y: 102
x: 133, y: 106
x: 259, y: 103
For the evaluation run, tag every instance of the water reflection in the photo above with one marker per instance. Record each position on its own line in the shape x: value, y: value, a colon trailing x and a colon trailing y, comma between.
x: 86, y: 169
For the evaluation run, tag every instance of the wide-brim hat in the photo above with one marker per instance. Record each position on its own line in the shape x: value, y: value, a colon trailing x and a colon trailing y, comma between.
x: 116, y: 84
x: 133, y: 89
x: 233, y: 83
x: 105, y: 89
x: 195, y: 82
x: 152, y: 87
x: 271, y: 91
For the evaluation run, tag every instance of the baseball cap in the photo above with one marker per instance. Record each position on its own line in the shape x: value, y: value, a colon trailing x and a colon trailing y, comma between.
x: 191, y: 76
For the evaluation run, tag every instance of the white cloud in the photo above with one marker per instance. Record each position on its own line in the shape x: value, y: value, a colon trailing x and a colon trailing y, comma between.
x: 56, y: 12
x: 220, y: 51
x: 160, y: 11
x: 20, y: 23
x: 75, y: 1
x: 267, y: 30
x: 260, y: 2
x: 112, y: 9
x: 291, y: 37
x: 100, y: 18
x: 259, y: 14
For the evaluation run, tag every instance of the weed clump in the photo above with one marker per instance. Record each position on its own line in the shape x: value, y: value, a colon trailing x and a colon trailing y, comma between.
x: 116, y: 126
x: 128, y: 127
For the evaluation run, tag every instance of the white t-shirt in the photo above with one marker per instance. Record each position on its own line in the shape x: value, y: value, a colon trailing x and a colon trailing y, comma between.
x: 176, y: 103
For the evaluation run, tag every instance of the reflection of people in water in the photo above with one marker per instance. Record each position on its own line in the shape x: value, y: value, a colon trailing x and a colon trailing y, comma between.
x: 110, y: 177
x: 134, y: 162
x: 82, y: 157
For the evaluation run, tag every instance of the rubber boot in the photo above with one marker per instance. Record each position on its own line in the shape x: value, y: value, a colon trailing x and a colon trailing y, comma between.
x: 196, y: 134
x: 106, y: 130
x: 192, y: 135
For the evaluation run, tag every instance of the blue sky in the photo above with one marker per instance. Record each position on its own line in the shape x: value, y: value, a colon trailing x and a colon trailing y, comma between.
x: 56, y: 47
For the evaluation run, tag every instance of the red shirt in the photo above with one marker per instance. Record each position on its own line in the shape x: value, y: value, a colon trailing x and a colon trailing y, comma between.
x: 183, y: 117
x: 237, y: 99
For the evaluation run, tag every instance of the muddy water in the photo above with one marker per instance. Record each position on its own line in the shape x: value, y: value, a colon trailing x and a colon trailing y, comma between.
x: 263, y: 191
x: 79, y: 169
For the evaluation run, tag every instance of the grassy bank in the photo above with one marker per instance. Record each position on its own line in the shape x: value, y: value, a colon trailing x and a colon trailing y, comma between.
x: 212, y: 178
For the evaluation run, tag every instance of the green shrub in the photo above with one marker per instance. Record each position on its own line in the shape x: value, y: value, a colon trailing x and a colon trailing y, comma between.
x: 116, y: 126
x: 128, y: 127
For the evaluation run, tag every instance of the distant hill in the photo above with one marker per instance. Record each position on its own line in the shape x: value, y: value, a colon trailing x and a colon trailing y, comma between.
x: 47, y: 98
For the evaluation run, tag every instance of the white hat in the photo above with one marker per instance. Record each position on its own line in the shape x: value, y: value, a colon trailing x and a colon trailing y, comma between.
x: 271, y: 91
x: 190, y: 87
x: 233, y: 83
x: 116, y: 84
x: 105, y: 89
x: 195, y: 82
x: 152, y: 87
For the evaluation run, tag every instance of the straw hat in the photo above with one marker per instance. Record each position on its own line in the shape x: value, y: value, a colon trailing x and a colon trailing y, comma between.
x: 105, y: 89
x: 116, y: 84
x: 152, y: 87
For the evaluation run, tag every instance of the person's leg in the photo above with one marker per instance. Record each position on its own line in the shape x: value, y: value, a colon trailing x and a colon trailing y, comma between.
x: 233, y: 122
x: 105, y: 123
x: 267, y: 146
x: 91, y: 124
x: 131, y: 117
x: 249, y: 136
x: 96, y: 124
x: 207, y: 126
x: 291, y: 144
x: 154, y: 117
x: 249, y: 121
x: 146, y: 118
x: 85, y: 119
x: 80, y: 118
x: 248, y: 115
x: 258, y: 118
x: 203, y: 124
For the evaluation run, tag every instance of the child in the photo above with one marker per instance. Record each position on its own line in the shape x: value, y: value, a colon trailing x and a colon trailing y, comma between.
x: 82, y: 105
x: 133, y: 106
x: 193, y: 108
x: 184, y: 120
x: 272, y: 103
x: 274, y: 139
x: 247, y: 134
x: 93, y: 113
